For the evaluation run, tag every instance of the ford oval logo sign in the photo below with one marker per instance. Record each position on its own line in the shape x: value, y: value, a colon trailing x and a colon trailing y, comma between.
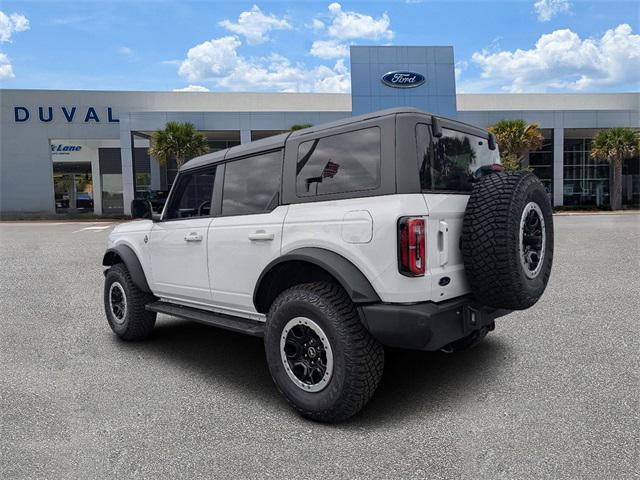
x: 402, y: 79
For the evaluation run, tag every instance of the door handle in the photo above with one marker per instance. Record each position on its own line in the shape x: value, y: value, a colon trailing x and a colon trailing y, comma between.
x: 193, y: 237
x: 443, y: 243
x: 261, y: 236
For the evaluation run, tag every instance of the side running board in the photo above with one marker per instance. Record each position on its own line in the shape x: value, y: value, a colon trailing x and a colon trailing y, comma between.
x: 228, y: 322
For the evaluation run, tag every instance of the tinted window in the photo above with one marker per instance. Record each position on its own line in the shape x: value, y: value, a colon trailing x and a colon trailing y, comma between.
x: 252, y: 185
x: 192, y: 195
x: 345, y: 162
x: 449, y: 162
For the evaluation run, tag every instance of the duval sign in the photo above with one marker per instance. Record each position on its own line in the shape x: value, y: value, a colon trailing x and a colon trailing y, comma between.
x: 403, y: 79
x: 69, y: 114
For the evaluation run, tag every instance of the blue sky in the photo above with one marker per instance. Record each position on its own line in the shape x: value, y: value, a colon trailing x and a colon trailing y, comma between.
x: 508, y: 46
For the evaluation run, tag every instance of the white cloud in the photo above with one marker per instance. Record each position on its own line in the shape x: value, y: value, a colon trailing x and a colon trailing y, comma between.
x: 213, y: 58
x: 6, y: 70
x: 329, y: 49
x: 547, y: 9
x: 351, y: 25
x: 217, y: 61
x: 345, y: 26
x: 254, y: 25
x: 10, y: 24
x: 561, y: 60
x: 192, y: 88
x: 336, y: 79
x: 460, y: 67
x: 125, y: 51
x: 317, y: 25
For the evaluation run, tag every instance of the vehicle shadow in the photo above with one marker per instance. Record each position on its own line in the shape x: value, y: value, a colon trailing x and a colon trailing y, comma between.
x: 414, y: 383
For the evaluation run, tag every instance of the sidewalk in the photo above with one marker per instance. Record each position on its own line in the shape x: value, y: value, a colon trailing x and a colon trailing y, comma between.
x: 596, y: 212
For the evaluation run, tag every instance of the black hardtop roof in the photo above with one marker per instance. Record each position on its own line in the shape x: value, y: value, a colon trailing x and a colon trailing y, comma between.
x: 278, y: 141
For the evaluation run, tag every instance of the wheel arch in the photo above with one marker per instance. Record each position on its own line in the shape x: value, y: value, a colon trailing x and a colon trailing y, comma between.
x: 310, y: 264
x: 125, y: 254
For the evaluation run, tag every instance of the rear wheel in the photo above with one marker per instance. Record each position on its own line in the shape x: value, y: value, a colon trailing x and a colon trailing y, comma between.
x: 124, y: 305
x: 321, y: 358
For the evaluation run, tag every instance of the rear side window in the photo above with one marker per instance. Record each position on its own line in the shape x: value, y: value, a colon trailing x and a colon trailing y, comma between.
x: 345, y: 162
x: 448, y: 162
x: 192, y: 197
x: 252, y: 185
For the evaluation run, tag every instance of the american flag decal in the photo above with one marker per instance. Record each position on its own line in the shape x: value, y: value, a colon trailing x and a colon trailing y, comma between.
x: 330, y: 169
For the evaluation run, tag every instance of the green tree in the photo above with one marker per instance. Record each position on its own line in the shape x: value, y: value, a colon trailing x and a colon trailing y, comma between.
x: 177, y: 140
x: 300, y: 126
x: 615, y: 145
x: 516, y: 138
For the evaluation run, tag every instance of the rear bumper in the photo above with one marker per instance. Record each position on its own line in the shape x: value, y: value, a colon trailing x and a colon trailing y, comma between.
x: 427, y: 325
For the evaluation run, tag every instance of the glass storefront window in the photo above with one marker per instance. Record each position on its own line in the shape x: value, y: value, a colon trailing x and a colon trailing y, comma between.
x: 541, y: 162
x: 586, y: 181
x: 142, y: 171
x: 112, y: 199
x: 111, y: 176
x: 143, y: 182
x: 631, y: 182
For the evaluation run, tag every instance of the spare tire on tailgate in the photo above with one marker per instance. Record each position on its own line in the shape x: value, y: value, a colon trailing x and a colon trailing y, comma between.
x: 507, y: 240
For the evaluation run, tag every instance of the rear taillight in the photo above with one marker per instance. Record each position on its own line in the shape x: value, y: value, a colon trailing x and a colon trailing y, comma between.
x: 411, y: 246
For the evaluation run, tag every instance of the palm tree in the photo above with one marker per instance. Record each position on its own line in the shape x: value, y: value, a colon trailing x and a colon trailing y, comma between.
x: 516, y: 139
x: 299, y: 126
x: 614, y: 146
x: 177, y: 140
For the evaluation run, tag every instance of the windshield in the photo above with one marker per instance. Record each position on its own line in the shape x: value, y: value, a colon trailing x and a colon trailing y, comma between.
x: 452, y: 161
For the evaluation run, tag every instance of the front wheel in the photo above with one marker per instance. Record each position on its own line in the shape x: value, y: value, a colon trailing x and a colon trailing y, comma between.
x: 321, y: 358
x: 124, y: 305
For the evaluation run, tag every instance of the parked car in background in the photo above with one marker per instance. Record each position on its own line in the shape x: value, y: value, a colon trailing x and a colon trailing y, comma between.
x: 84, y: 200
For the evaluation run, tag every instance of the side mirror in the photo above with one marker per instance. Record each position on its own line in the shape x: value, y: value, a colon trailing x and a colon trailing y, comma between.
x: 436, y: 127
x: 141, y: 209
x: 492, y: 141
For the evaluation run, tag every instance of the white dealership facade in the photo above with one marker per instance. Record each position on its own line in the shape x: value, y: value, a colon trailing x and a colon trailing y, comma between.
x: 64, y: 151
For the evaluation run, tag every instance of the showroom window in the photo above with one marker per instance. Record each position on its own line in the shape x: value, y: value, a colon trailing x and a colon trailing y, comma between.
x: 541, y: 162
x: 111, y: 181
x: 586, y: 181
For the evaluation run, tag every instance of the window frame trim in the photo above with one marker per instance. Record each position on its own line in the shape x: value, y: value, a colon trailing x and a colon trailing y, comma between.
x: 173, y: 193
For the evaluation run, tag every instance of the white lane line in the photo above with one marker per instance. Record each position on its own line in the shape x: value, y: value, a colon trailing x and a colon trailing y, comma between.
x: 38, y: 224
x: 95, y: 228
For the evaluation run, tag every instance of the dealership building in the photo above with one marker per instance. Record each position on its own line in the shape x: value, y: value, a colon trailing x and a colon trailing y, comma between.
x: 77, y: 151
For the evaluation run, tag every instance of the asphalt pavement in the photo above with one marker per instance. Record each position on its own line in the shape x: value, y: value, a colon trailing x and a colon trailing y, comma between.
x: 553, y: 392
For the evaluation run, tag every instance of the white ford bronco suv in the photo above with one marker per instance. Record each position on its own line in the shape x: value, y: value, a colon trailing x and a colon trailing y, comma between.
x: 396, y: 228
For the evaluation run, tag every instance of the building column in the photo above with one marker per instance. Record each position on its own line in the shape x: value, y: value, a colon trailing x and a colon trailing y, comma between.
x: 558, y: 166
x: 126, y: 159
x: 245, y: 136
x: 96, y: 184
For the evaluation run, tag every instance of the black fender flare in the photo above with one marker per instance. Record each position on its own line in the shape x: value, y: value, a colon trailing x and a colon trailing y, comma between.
x: 346, y: 273
x: 125, y: 254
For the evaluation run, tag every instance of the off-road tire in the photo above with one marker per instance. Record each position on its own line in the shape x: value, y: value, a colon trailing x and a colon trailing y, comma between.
x: 358, y: 357
x: 137, y: 323
x: 491, y: 245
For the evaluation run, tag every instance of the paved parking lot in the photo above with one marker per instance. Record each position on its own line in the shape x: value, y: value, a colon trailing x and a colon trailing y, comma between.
x: 552, y: 393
